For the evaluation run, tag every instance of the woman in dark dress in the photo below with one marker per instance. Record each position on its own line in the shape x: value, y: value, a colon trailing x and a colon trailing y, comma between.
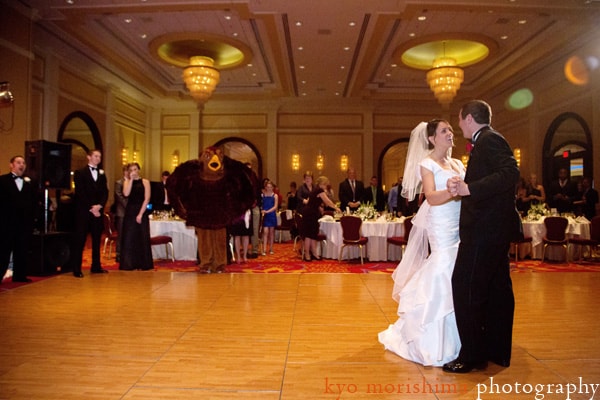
x: 136, y: 252
x: 312, y: 211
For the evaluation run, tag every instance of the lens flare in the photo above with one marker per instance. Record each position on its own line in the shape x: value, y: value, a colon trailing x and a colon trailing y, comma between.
x: 576, y: 71
x: 520, y: 99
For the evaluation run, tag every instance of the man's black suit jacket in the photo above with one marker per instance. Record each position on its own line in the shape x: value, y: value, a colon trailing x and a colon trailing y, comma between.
x: 19, y: 208
x: 89, y: 192
x: 346, y: 195
x: 489, y: 214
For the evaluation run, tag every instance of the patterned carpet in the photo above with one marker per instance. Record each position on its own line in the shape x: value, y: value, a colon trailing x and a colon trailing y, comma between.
x: 286, y: 260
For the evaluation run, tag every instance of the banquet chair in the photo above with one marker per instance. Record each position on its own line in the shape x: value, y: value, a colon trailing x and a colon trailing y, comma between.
x: 402, y: 241
x: 286, y: 223
x: 517, y: 243
x: 556, y: 234
x: 167, y: 241
x: 351, y: 235
x: 593, y: 243
x: 110, y: 233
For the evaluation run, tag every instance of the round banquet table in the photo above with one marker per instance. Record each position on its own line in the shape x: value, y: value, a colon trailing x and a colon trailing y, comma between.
x: 578, y: 227
x: 185, y: 242
x: 376, y: 231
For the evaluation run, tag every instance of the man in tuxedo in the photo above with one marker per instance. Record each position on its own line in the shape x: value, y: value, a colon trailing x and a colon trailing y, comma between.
x: 18, y: 202
x: 481, y: 285
x: 351, y: 191
x: 374, y: 195
x: 159, y: 197
x: 91, y: 194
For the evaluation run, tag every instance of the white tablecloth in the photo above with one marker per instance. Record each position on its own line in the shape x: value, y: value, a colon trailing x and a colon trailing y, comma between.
x: 377, y: 232
x: 185, y: 242
x: 537, y: 230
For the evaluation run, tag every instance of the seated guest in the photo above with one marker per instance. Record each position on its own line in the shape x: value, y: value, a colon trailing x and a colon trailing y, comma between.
x: 159, y: 198
x: 522, y: 201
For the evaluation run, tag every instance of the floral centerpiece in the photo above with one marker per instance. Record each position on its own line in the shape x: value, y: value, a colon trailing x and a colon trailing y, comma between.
x: 537, y: 211
x: 366, y: 211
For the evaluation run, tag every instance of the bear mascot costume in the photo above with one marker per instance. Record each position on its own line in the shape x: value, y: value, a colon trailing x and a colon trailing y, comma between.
x: 210, y: 193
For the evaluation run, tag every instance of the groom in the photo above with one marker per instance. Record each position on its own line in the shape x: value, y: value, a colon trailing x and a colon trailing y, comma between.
x: 481, y: 285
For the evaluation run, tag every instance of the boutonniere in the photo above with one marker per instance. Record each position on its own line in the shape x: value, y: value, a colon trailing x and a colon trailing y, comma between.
x: 101, y: 171
x: 27, y: 179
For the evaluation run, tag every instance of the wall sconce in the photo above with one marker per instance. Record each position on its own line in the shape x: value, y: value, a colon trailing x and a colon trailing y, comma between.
x: 124, y: 155
x: 135, y: 155
x: 7, y: 101
x: 517, y: 153
x: 296, y: 162
x: 344, y: 162
x: 175, y: 159
x: 320, y: 162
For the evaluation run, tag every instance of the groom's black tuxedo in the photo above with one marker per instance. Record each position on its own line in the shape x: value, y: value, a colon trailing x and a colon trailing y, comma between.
x: 87, y: 194
x: 481, y: 285
x: 18, y: 210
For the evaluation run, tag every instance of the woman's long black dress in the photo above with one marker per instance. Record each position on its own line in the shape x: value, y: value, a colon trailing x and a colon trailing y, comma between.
x: 309, y: 227
x: 135, y: 238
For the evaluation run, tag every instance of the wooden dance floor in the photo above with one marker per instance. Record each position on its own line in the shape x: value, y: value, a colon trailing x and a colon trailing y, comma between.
x: 163, y: 335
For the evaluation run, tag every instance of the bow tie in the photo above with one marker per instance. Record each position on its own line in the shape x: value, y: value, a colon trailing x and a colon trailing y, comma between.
x: 93, y: 168
x: 17, y: 177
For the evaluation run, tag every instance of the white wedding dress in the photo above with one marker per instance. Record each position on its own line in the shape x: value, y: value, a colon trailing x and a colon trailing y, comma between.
x: 425, y: 331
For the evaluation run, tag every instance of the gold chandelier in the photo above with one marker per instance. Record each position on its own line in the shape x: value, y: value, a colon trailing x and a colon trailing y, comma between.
x: 201, y: 78
x: 445, y: 79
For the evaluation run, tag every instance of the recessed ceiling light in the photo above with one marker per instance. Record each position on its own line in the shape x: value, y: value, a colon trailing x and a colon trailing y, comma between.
x: 298, y: 23
x: 388, y: 74
x: 300, y: 48
x: 339, y: 82
x: 249, y: 65
x: 347, y: 48
x: 337, y: 93
x: 352, y: 23
x: 70, y: 1
x: 342, y: 67
x: 422, y: 18
x: 143, y: 36
x: 412, y: 34
x: 128, y: 20
x: 503, y: 37
x: 228, y: 17
x: 303, y: 82
x: 523, y: 21
x: 235, y: 34
x: 394, y: 65
x: 301, y: 67
x: 303, y: 94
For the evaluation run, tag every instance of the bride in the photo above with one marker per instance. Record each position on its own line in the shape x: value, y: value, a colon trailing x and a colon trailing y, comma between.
x: 425, y: 331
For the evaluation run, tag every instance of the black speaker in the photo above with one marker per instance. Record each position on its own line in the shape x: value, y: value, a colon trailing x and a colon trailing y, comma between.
x: 49, y: 163
x: 48, y: 253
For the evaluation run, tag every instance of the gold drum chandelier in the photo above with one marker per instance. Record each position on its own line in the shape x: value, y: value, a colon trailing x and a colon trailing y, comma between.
x: 445, y: 79
x: 201, y: 78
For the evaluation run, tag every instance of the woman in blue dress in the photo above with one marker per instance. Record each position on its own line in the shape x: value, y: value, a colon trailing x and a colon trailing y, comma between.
x: 269, y: 217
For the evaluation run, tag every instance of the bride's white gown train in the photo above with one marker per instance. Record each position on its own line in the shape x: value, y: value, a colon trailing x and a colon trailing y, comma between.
x: 425, y: 331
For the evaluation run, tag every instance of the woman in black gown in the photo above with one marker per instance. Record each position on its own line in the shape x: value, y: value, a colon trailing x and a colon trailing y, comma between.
x: 312, y: 211
x: 135, y: 238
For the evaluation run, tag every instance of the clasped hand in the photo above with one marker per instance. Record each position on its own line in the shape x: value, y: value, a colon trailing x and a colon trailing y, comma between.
x: 457, y: 187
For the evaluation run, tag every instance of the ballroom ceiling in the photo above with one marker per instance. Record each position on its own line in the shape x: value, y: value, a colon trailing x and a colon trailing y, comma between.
x: 320, y: 49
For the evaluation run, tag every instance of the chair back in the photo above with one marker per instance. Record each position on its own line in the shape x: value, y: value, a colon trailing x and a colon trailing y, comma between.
x: 108, y: 226
x: 556, y: 228
x: 285, y: 222
x: 595, y: 228
x: 351, y: 227
x: 407, y: 227
x: 297, y: 220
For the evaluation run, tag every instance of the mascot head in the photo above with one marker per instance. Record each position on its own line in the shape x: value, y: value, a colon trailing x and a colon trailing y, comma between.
x: 212, y: 164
